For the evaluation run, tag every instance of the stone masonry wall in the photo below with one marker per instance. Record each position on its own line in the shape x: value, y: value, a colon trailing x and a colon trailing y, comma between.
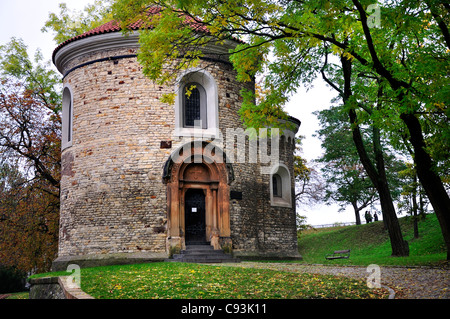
x: 113, y: 199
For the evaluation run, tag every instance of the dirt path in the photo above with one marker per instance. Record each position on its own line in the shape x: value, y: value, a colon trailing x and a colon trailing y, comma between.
x: 408, y: 283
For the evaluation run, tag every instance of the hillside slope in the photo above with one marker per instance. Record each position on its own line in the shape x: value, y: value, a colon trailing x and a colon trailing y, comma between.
x: 369, y: 244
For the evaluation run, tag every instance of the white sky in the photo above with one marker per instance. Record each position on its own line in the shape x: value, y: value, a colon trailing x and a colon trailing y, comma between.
x: 25, y: 18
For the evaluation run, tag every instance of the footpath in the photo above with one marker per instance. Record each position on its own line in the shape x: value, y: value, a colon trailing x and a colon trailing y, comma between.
x: 406, y: 282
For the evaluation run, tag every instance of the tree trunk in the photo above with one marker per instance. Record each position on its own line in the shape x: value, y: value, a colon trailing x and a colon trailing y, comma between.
x: 399, y: 246
x: 422, y: 213
x: 376, y: 174
x: 429, y: 179
x: 431, y: 182
x: 356, y: 209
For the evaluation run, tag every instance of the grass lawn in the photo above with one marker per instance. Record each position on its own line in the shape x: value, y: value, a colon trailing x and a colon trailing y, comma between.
x: 18, y: 295
x: 194, y: 281
x: 369, y: 244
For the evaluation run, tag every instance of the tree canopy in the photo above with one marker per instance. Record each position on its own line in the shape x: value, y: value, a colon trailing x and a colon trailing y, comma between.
x: 30, y: 158
x: 347, y: 182
x: 395, y: 58
x: 68, y: 24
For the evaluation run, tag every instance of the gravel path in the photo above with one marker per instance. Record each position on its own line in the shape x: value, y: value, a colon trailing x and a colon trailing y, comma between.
x: 407, y: 283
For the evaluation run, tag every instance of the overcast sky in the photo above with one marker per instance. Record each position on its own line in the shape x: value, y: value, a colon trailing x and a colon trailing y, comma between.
x: 25, y: 18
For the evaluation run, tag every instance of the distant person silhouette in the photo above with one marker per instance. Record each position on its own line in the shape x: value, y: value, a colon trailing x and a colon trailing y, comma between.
x: 368, y: 217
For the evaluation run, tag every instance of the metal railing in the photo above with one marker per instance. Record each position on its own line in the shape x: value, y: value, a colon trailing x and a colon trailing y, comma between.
x: 337, y: 224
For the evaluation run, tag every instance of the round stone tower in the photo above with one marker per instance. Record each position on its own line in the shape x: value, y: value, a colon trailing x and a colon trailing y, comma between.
x: 142, y: 179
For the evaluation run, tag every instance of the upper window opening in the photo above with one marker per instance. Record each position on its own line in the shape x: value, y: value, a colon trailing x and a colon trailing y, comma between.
x: 69, y: 123
x: 67, y: 118
x: 194, y: 100
x: 192, y: 106
x: 200, y: 107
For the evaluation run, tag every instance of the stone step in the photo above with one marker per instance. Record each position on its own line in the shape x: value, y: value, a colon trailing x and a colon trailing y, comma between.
x: 199, y: 247
x: 193, y: 255
x: 199, y: 255
x: 197, y: 243
x: 205, y: 260
x: 202, y: 254
x: 205, y: 249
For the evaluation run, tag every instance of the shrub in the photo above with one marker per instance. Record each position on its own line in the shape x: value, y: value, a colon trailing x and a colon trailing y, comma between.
x: 12, y: 279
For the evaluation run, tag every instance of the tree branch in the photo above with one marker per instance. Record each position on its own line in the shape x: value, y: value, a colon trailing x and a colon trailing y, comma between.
x: 322, y: 71
x: 378, y: 66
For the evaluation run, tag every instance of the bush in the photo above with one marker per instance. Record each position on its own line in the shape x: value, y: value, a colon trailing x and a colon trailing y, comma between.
x: 12, y: 279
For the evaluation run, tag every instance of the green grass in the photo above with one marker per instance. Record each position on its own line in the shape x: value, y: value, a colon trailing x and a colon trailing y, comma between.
x: 370, y: 244
x: 194, y: 281
x: 19, y: 295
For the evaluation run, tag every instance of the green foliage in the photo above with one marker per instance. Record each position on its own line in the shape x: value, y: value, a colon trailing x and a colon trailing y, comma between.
x: 399, y: 54
x: 68, y: 24
x: 19, y: 295
x: 11, y: 279
x: 35, y: 74
x: 301, y: 223
x: 411, y: 189
x: 30, y: 105
x: 157, y: 46
x: 346, y: 179
x: 30, y: 154
x: 10, y: 177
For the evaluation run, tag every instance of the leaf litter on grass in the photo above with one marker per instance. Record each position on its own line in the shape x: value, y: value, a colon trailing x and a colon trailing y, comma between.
x: 179, y: 280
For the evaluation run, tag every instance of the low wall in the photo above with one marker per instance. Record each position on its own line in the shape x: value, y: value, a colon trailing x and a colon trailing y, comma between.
x: 55, y: 288
x: 94, y: 260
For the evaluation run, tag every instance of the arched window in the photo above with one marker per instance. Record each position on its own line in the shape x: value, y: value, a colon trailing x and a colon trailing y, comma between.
x: 67, y: 117
x: 200, y: 105
x: 277, y: 187
x: 281, y: 187
x: 194, y: 106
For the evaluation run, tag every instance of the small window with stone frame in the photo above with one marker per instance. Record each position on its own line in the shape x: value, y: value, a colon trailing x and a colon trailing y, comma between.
x: 277, y: 185
x: 280, y: 186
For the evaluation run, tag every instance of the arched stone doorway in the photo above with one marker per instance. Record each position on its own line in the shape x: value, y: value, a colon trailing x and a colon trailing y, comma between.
x: 197, y: 176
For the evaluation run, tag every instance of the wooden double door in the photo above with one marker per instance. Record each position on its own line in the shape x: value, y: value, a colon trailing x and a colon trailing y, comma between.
x: 195, y: 216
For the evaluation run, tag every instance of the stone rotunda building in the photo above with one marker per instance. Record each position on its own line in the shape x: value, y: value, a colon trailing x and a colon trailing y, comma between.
x: 142, y: 179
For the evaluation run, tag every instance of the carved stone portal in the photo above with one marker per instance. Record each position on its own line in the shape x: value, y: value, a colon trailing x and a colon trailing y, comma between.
x: 198, y: 198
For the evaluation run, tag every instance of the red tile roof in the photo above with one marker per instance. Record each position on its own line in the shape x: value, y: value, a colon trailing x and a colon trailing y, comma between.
x: 114, y: 26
